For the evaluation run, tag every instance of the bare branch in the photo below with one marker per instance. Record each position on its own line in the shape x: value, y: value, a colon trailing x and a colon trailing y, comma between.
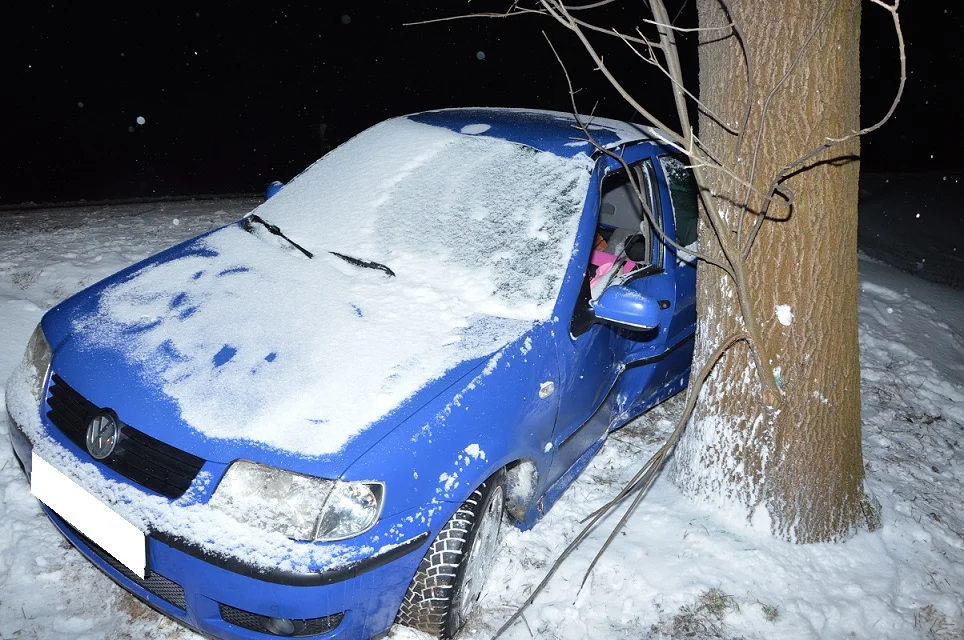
x: 611, y: 32
x: 632, y: 179
x: 781, y: 175
x: 557, y: 11
x: 645, y: 477
x: 583, y: 7
x: 640, y: 483
x: 897, y: 97
x: 668, y: 39
x: 750, y: 80
x: 651, y: 59
x: 689, y: 29
x: 770, y: 387
x: 514, y: 11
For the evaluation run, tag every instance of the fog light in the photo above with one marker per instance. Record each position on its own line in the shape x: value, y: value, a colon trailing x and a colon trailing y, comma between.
x: 279, y: 626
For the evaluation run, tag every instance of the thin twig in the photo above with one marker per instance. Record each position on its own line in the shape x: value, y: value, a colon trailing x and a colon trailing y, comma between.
x: 462, y: 16
x: 584, y: 7
x: 782, y: 174
x: 652, y: 219
x: 750, y: 79
x: 675, y: 140
x: 903, y: 73
x: 610, y: 32
x: 644, y: 480
x: 688, y: 29
x: 893, y: 106
x: 651, y: 59
x: 628, y: 488
x: 518, y: 11
x: 737, y: 265
x: 557, y: 11
x: 584, y: 127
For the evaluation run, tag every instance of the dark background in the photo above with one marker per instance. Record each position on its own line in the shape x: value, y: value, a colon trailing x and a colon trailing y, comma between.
x: 233, y: 98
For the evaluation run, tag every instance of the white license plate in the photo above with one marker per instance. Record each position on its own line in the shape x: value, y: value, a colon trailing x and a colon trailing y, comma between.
x: 90, y: 516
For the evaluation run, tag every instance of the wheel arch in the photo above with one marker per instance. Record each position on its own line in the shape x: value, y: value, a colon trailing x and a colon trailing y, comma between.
x: 521, y: 488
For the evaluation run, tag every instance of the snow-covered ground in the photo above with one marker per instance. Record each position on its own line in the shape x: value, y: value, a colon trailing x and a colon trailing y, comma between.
x: 677, y: 571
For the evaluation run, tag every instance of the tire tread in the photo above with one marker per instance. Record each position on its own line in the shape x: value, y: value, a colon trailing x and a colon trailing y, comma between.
x: 429, y: 600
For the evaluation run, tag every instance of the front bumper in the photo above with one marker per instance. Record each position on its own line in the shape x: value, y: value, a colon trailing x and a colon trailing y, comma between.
x: 227, y: 598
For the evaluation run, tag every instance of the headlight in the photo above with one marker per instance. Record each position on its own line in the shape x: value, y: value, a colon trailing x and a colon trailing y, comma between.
x: 301, y: 507
x: 38, y: 356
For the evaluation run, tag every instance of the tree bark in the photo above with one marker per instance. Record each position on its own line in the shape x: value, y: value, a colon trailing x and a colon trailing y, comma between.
x: 794, y: 464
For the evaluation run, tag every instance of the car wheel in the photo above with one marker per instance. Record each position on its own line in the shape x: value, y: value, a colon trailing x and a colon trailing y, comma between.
x: 450, y: 577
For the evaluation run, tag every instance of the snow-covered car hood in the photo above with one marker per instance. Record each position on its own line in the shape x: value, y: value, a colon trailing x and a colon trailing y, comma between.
x: 232, y: 331
x: 253, y: 341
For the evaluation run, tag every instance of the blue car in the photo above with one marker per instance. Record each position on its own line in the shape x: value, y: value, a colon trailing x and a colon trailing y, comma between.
x: 313, y: 422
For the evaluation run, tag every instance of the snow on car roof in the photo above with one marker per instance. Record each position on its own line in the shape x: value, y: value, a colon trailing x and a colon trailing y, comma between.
x: 255, y: 341
x: 552, y: 131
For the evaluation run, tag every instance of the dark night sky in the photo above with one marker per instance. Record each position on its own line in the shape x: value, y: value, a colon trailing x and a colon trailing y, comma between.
x: 233, y: 98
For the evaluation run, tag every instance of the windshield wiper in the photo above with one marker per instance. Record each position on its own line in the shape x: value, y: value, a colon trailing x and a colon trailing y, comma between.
x: 358, y: 262
x: 246, y: 223
x: 368, y: 264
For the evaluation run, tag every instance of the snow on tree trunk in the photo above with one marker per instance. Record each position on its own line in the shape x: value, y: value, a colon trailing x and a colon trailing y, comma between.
x: 796, y: 464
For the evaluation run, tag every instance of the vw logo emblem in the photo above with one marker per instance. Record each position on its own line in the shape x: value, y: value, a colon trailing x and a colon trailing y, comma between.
x: 102, y: 434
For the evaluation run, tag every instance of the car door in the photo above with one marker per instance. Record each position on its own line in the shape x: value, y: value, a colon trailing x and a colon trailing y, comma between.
x: 593, y: 355
x: 656, y: 369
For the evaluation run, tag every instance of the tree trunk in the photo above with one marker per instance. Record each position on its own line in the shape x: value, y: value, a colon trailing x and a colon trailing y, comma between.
x: 796, y: 464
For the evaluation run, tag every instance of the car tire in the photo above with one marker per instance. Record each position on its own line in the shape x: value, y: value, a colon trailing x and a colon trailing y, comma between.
x: 450, y: 578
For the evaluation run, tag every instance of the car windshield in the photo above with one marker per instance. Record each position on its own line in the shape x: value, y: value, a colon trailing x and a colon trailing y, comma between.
x: 494, y: 217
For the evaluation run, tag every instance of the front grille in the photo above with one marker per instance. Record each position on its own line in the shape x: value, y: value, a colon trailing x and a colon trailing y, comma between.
x: 165, y: 589
x: 137, y: 456
x: 273, y: 626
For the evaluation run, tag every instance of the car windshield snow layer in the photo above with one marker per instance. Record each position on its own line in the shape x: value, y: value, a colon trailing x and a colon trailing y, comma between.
x: 491, y: 219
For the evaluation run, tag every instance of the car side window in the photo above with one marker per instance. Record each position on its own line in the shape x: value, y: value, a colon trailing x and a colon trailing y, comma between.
x: 624, y: 235
x: 624, y: 242
x: 684, y: 196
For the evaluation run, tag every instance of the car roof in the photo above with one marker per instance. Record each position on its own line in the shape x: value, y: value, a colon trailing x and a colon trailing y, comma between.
x: 552, y: 131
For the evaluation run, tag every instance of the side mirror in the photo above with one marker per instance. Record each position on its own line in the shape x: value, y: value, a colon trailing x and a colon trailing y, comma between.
x: 624, y: 307
x: 272, y: 189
